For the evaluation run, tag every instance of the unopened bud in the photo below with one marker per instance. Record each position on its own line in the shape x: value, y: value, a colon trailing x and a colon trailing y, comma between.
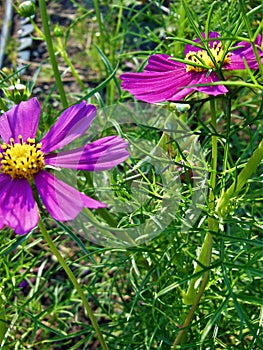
x: 58, y: 31
x: 27, y: 9
x: 17, y: 93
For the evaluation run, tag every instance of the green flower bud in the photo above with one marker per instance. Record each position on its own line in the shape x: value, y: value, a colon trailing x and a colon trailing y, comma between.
x: 17, y: 93
x: 179, y: 107
x: 58, y: 31
x: 27, y: 9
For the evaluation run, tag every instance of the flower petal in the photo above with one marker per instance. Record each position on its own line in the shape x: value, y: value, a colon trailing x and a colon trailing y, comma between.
x: 212, y: 89
x: 102, y: 154
x: 71, y: 124
x: 162, y: 63
x: 22, y: 119
x: 18, y: 209
x: 62, y: 201
x: 245, y: 52
x: 163, y: 80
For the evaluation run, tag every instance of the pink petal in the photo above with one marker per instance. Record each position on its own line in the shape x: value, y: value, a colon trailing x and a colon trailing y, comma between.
x: 18, y: 209
x: 102, y: 154
x: 162, y: 63
x: 246, y: 53
x: 22, y: 119
x: 71, y: 124
x: 167, y: 80
x: 163, y: 84
x: 62, y: 201
x: 180, y: 94
x: 209, y: 90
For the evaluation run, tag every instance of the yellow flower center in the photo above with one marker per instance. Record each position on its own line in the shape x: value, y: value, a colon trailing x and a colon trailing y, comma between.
x: 202, y: 58
x: 21, y: 160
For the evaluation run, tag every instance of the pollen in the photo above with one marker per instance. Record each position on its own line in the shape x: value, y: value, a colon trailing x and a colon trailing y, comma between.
x: 202, y: 61
x: 21, y: 159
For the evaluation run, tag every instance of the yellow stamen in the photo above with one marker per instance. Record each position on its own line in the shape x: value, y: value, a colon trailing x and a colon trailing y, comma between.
x: 202, y: 58
x: 21, y: 160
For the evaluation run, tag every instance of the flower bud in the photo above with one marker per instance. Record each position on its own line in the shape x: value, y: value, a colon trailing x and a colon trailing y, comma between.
x: 58, y: 31
x: 27, y: 9
x: 179, y: 107
x: 17, y: 93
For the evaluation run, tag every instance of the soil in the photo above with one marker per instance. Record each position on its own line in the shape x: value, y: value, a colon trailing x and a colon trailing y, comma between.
x: 62, y: 13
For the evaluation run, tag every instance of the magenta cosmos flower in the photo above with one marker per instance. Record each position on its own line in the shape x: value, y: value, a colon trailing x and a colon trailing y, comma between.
x: 165, y: 79
x: 24, y: 162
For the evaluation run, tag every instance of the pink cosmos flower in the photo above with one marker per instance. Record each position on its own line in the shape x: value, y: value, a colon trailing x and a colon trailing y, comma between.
x: 165, y: 79
x: 24, y: 162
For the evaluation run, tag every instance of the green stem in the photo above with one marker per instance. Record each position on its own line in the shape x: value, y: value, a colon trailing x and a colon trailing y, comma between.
x: 65, y: 57
x: 2, y: 323
x: 98, y: 16
x: 241, y: 180
x: 45, y: 24
x: 204, y: 259
x: 214, y: 156
x: 111, y: 86
x: 226, y: 147
x: 205, y: 254
x: 119, y: 20
x: 193, y: 294
x: 3, y: 318
x: 74, y: 282
x: 178, y: 46
x: 36, y: 29
x: 192, y: 310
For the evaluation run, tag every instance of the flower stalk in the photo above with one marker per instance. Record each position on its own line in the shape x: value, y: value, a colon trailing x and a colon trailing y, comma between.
x: 74, y: 282
x: 65, y: 57
x: 193, y: 294
x: 100, y: 24
x: 242, y: 178
x: 205, y: 254
x: 3, y: 314
x: 44, y: 18
x: 3, y: 327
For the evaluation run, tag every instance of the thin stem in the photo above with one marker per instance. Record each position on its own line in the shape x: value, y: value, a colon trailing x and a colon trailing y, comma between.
x: 205, y: 254
x: 214, y: 155
x: 64, y: 55
x: 204, y: 259
x: 3, y: 318
x: 36, y: 29
x: 2, y: 323
x: 44, y: 18
x: 112, y: 47
x: 194, y: 295
x: 178, y: 47
x: 226, y: 148
x: 74, y: 282
x: 241, y: 180
x: 98, y: 16
x: 192, y: 310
